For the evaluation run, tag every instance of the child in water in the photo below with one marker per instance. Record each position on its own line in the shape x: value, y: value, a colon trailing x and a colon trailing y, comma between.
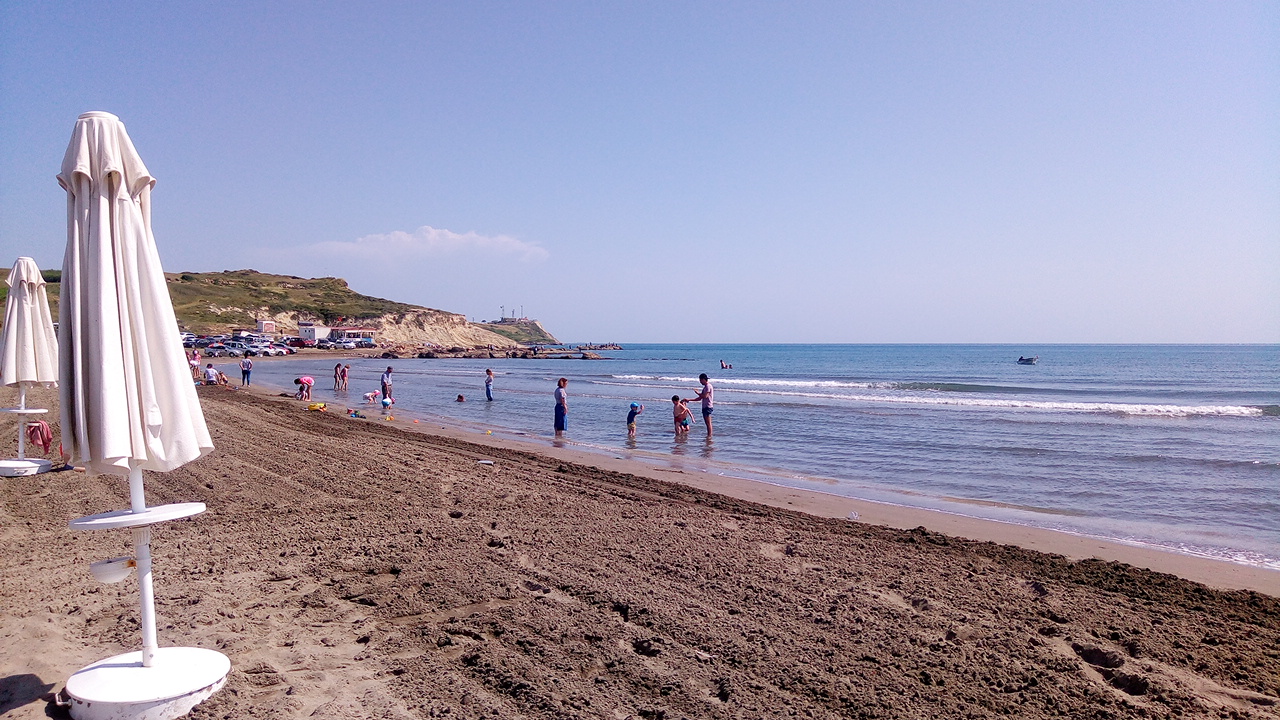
x: 636, y: 409
x: 683, y: 418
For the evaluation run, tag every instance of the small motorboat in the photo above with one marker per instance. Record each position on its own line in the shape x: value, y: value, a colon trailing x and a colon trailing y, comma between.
x: 1028, y: 360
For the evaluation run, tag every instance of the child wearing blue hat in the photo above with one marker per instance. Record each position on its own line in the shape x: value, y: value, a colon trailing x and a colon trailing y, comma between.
x: 636, y: 409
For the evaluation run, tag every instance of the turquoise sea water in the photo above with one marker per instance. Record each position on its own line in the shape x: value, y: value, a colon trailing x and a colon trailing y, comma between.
x: 1173, y: 446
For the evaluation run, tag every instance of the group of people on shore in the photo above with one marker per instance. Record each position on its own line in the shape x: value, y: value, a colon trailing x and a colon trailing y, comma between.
x: 210, y: 375
x: 681, y: 414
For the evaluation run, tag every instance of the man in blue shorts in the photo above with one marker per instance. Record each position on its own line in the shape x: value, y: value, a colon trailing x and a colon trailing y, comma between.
x: 706, y: 395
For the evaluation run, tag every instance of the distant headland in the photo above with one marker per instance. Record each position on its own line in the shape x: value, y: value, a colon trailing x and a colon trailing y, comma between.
x: 233, y: 300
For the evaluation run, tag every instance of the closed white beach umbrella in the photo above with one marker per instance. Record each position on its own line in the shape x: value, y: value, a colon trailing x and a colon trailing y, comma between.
x: 28, y: 345
x: 127, y: 404
x: 28, y: 354
x: 126, y: 391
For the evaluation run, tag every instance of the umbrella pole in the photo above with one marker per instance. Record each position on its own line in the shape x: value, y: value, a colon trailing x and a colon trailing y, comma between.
x: 142, y: 555
x: 22, y: 422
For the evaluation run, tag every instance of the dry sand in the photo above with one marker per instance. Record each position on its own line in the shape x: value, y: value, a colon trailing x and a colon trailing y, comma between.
x: 355, y: 569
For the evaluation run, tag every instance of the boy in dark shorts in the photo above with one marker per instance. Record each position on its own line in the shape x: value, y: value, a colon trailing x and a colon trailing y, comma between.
x: 636, y: 409
x: 706, y: 395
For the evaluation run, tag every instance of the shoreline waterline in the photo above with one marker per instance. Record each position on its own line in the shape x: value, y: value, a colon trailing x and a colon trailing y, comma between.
x: 777, y: 488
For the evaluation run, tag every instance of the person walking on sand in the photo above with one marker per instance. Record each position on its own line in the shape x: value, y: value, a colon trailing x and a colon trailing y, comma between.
x: 562, y: 407
x: 246, y: 367
x: 706, y: 395
x: 386, y: 384
x: 488, y: 385
x: 346, y: 373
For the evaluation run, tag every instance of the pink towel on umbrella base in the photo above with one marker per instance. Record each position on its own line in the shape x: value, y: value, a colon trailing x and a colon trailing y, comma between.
x: 38, y: 433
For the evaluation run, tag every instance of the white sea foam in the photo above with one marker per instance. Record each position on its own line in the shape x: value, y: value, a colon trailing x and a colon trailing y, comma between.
x: 1088, y: 407
x: 747, y: 386
x: 758, y: 383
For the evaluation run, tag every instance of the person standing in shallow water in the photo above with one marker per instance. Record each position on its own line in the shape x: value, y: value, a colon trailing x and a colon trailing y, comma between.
x: 706, y: 395
x: 562, y: 407
x: 337, y: 376
x: 386, y: 384
x: 488, y: 385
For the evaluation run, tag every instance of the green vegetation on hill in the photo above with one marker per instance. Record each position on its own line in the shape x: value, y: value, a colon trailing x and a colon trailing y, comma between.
x: 207, y: 301
x: 525, y: 332
x: 219, y: 301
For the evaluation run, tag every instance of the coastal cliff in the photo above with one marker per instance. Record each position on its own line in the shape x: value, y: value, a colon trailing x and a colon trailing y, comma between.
x: 208, y: 302
x: 218, y: 302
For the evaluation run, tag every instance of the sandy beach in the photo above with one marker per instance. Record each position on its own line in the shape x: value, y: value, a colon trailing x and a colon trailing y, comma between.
x: 362, y: 569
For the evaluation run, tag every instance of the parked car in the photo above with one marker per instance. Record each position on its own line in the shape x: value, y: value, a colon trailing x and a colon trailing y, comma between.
x: 347, y: 345
x: 365, y: 343
x: 300, y: 343
x: 220, y: 350
x: 325, y: 344
x: 284, y: 349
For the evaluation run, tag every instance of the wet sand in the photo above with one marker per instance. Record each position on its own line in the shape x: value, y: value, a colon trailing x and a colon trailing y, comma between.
x: 355, y: 568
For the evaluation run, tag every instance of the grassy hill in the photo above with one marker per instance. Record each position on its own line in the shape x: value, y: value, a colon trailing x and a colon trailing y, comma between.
x: 207, y: 301
x: 218, y: 301
x: 525, y: 332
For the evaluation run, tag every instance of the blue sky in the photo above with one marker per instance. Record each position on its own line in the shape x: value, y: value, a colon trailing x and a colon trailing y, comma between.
x: 715, y: 172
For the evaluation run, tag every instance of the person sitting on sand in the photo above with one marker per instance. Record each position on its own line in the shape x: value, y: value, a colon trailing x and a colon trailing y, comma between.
x: 304, y: 384
x: 222, y: 378
x: 210, y: 375
x: 636, y: 409
x: 683, y: 417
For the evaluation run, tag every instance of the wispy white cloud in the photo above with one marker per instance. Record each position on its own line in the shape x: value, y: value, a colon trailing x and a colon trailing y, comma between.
x: 427, y: 241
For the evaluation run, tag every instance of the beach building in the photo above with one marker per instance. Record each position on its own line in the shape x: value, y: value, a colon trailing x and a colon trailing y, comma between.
x: 353, y: 333
x: 266, y: 327
x: 312, y: 331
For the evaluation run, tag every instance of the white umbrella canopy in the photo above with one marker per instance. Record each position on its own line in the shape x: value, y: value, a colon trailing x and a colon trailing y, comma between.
x: 127, y: 398
x: 28, y: 344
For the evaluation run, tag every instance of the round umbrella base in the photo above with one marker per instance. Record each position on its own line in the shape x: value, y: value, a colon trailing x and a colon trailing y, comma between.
x: 120, y: 688
x: 22, y: 468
